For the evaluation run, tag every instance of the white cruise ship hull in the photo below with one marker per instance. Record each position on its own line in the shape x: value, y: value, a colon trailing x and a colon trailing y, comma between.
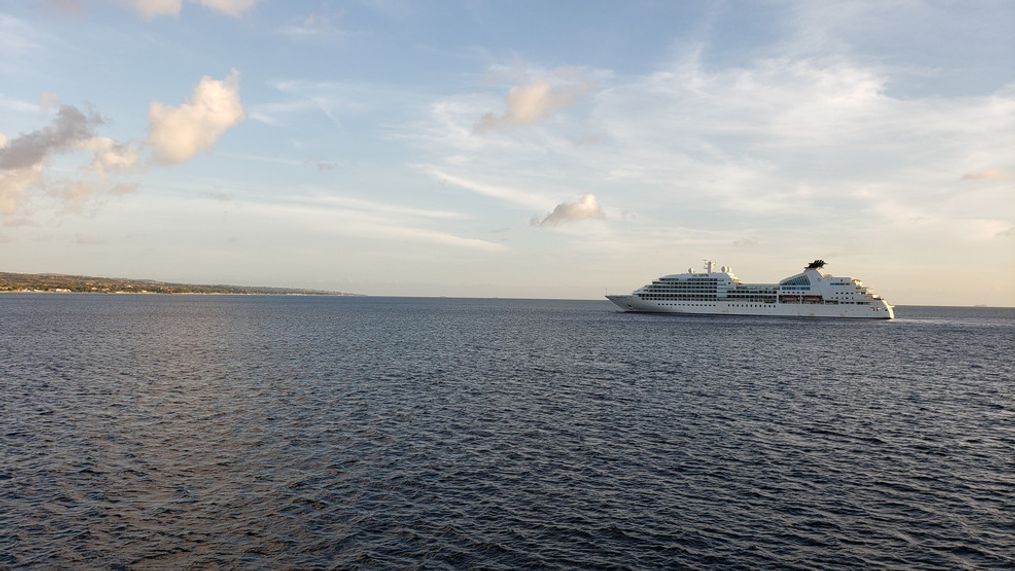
x: 879, y: 310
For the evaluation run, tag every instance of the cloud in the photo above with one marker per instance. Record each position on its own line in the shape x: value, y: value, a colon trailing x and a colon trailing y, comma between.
x: 269, y: 113
x: 381, y: 208
x: 335, y: 100
x: 527, y: 104
x: 502, y: 193
x: 179, y: 133
x: 1009, y: 233
x: 587, y: 208
x: 150, y: 9
x: 70, y: 128
x: 23, y: 160
x: 14, y: 185
x: 233, y: 8
x: 321, y: 165
x: 316, y: 25
x: 16, y: 36
x: 75, y: 195
x: 376, y: 221
x: 986, y: 174
x: 18, y: 105
x: 122, y: 188
x: 66, y: 6
x: 108, y: 155
x: 396, y: 9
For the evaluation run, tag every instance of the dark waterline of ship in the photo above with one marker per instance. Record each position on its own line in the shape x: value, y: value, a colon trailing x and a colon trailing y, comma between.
x: 163, y: 431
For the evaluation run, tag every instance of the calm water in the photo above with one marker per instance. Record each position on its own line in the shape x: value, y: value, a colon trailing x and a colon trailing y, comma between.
x: 264, y: 432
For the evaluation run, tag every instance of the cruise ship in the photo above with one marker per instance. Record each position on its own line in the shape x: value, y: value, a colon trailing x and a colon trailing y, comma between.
x: 807, y: 294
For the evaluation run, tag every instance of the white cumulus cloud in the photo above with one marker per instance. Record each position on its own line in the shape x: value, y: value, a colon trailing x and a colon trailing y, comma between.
x: 14, y: 184
x: 587, y: 208
x: 24, y: 161
x: 108, y: 155
x: 179, y: 133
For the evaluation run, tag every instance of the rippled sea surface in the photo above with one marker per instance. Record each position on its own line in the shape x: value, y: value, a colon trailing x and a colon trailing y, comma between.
x: 205, y: 431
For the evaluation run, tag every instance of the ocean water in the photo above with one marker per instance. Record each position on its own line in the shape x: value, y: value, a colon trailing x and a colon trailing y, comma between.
x: 208, y: 431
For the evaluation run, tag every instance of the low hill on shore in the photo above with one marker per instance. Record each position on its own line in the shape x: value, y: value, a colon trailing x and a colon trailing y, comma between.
x: 60, y: 283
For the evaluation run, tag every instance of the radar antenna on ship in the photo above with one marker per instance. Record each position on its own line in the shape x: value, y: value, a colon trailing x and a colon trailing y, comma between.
x: 815, y: 265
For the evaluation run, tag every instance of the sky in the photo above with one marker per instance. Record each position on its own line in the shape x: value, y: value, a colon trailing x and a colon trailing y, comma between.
x: 511, y: 149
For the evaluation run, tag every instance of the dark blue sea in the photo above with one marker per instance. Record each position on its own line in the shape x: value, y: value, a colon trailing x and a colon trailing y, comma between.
x: 318, y: 432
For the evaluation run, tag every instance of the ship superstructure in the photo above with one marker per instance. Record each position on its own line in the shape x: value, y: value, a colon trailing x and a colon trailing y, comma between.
x: 809, y: 293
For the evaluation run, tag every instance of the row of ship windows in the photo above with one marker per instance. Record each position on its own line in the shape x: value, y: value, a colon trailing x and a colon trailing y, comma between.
x: 667, y: 286
x: 662, y: 290
x: 710, y: 294
x: 764, y: 303
x: 660, y: 297
x: 647, y: 295
x: 730, y: 295
x: 713, y: 305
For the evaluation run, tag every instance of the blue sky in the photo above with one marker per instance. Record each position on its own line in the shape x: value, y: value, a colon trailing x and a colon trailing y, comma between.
x: 531, y: 149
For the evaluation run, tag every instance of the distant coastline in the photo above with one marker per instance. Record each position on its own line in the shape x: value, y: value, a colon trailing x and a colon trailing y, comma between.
x: 61, y: 283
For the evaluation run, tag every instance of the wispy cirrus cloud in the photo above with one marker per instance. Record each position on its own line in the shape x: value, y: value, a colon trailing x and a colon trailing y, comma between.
x: 985, y: 174
x: 19, y: 105
x: 321, y: 24
x: 366, y: 219
x: 336, y: 100
x: 76, y: 195
x: 16, y: 36
x: 379, y: 208
x: 502, y: 193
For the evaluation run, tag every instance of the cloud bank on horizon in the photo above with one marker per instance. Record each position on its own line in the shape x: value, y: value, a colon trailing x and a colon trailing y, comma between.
x: 462, y: 152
